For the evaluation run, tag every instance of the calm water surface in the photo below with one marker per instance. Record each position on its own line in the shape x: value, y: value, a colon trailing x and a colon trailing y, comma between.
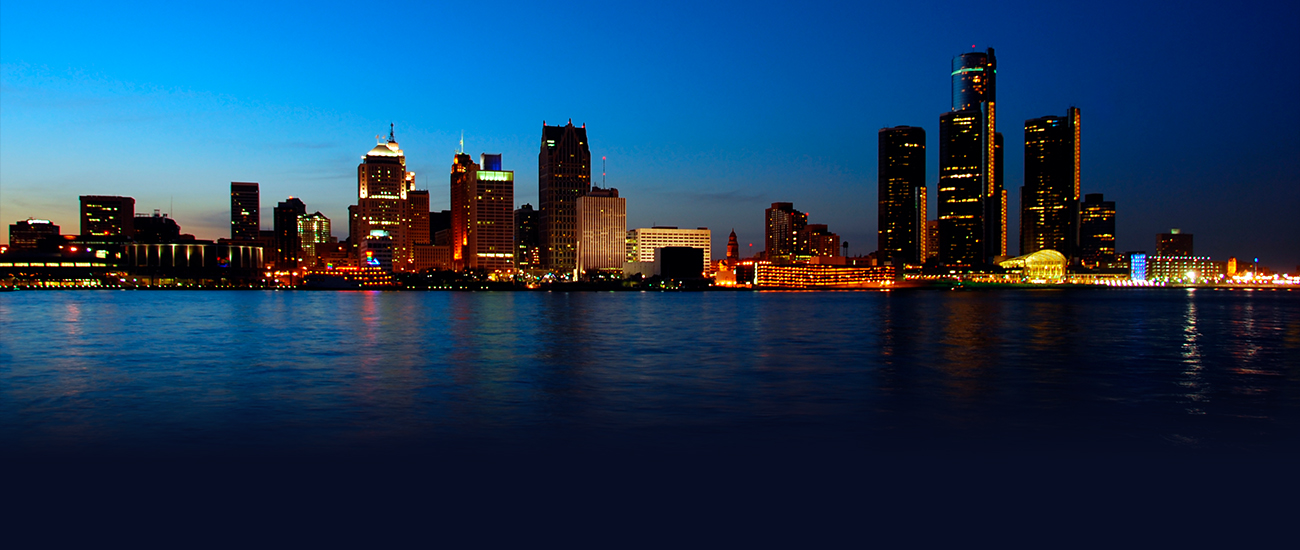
x: 91, y: 373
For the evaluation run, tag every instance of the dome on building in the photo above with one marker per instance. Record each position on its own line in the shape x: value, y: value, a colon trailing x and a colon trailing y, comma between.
x: 1045, y: 264
x: 385, y: 150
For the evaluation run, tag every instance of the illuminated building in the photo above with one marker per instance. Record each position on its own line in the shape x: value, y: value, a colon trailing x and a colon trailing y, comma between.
x: 27, y: 234
x: 482, y: 214
x: 382, y: 187
x: 641, y: 243
x: 901, y: 183
x: 1174, y: 243
x: 821, y: 242
x: 733, y: 247
x: 1183, y: 269
x: 348, y: 278
x: 245, y: 211
x: 417, y: 206
x: 463, y: 189
x: 1137, y: 262
x: 785, y: 237
x: 1096, y: 230
x: 972, y: 201
x: 563, y: 175
x: 528, y: 253
x: 104, y: 216
x: 1040, y: 265
x: 377, y: 250
x: 768, y: 274
x: 1049, y: 200
x: 313, y: 232
x: 288, y: 250
x: 602, y: 231
x: 931, y: 239
x: 194, y: 260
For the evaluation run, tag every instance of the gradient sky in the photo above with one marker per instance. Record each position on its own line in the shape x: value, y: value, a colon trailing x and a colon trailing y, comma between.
x: 708, y: 112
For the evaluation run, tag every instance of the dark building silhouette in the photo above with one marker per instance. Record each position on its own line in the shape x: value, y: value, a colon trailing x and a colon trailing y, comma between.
x: 901, y: 181
x: 245, y: 211
x: 563, y: 175
x: 288, y: 249
x: 439, y: 221
x: 157, y: 229
x: 972, y: 201
x: 528, y: 254
x: 107, y: 216
x: 680, y: 262
x: 1174, y: 243
x: 786, y: 236
x: 1049, y: 200
x: 28, y: 234
x: 733, y: 247
x: 1096, y: 230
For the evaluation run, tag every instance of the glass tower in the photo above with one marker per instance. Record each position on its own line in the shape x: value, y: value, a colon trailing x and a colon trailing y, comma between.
x: 1049, y: 200
x: 972, y: 201
x: 901, y: 181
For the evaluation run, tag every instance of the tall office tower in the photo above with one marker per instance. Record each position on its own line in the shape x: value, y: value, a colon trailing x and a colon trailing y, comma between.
x: 1049, y: 200
x: 931, y: 239
x: 733, y: 247
x: 245, y: 211
x: 972, y: 201
x: 313, y: 232
x: 492, y: 233
x: 27, y: 234
x: 785, y: 237
x: 901, y: 181
x: 602, y: 231
x: 643, y: 242
x: 1096, y: 230
x: 563, y: 175
x: 107, y: 216
x: 464, y: 184
x: 417, y: 208
x: 528, y: 253
x: 1174, y: 243
x: 288, y: 250
x: 382, y: 187
x: 821, y: 242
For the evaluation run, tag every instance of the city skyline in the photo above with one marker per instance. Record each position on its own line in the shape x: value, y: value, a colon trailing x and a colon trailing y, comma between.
x: 727, y: 154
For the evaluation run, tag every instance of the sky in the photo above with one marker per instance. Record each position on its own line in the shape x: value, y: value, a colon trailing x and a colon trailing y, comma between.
x: 707, y: 112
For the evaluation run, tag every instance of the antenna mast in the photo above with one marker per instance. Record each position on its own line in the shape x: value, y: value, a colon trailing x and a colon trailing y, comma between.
x: 462, y: 142
x: 391, y: 139
x: 602, y: 172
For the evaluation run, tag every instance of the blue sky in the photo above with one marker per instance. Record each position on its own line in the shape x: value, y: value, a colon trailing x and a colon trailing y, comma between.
x: 708, y: 112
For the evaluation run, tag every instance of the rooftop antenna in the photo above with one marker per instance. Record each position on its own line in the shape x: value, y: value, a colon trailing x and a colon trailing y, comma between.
x: 462, y: 142
x: 391, y: 139
x: 602, y: 172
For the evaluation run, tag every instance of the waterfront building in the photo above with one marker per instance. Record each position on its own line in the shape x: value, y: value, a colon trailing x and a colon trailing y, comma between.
x: 902, y: 194
x: 602, y: 231
x: 972, y: 200
x: 107, y: 216
x: 313, y: 234
x: 1174, y: 243
x: 491, y: 237
x: 1044, y: 265
x: 563, y: 175
x: 641, y: 243
x: 812, y: 275
x: 821, y: 242
x: 1183, y: 269
x: 245, y: 211
x: 1096, y: 230
x: 27, y: 234
x: 288, y: 249
x: 382, y: 188
x: 528, y: 254
x: 1049, y: 200
x: 785, y: 238
x: 158, y: 228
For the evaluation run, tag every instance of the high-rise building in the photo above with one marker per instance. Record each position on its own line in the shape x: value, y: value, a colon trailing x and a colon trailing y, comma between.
x: 1049, y: 200
x: 901, y: 181
x: 27, y: 234
x: 528, y: 253
x: 931, y: 239
x: 382, y: 187
x: 602, y: 231
x: 972, y: 200
x: 313, y: 232
x: 107, y: 216
x: 563, y: 175
x: 288, y: 250
x: 464, y: 182
x: 245, y: 211
x: 643, y: 242
x: 417, y: 206
x: 1174, y: 243
x: 482, y: 214
x: 821, y: 242
x: 785, y: 237
x: 1096, y: 230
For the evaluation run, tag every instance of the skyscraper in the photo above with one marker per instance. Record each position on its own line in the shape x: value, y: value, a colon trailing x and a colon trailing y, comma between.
x: 563, y: 175
x: 105, y: 216
x: 382, y: 187
x: 1096, y: 230
x: 491, y: 237
x: 464, y: 181
x: 972, y: 201
x: 901, y: 181
x: 602, y: 231
x: 528, y: 254
x: 313, y: 231
x: 288, y: 250
x: 785, y: 236
x: 245, y: 211
x: 1049, y: 200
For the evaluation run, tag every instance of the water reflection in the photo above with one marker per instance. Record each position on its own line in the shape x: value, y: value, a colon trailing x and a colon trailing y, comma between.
x: 1196, y: 389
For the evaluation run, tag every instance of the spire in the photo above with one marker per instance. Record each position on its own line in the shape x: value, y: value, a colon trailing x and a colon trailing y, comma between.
x: 391, y: 139
x: 462, y: 141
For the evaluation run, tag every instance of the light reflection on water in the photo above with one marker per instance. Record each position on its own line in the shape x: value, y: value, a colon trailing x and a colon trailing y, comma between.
x: 335, y: 371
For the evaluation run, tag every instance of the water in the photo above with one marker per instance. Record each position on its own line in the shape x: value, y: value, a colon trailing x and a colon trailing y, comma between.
x: 255, y: 373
